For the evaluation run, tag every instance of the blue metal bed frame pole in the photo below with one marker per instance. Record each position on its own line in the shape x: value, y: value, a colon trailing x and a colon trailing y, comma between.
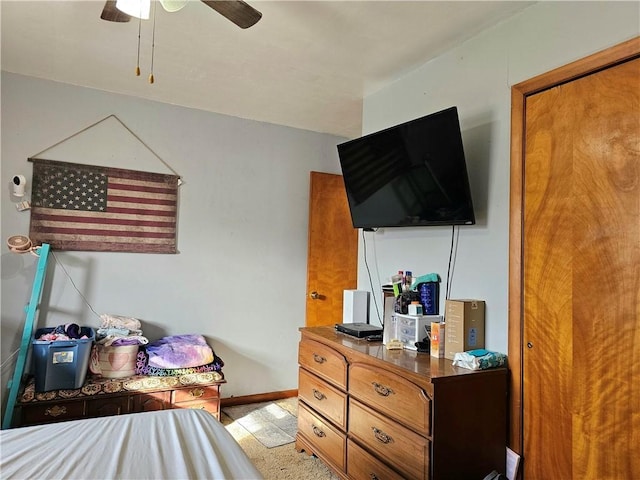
x: 27, y: 335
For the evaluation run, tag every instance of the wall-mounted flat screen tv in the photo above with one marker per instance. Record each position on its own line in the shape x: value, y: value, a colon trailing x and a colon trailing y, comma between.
x: 410, y: 175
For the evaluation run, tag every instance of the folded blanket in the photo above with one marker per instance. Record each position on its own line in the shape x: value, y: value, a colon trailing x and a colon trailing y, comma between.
x: 179, y: 351
x: 119, y: 321
x: 143, y: 367
x: 117, y: 330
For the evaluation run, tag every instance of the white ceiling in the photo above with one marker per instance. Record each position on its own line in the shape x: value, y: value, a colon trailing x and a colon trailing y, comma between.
x: 305, y: 64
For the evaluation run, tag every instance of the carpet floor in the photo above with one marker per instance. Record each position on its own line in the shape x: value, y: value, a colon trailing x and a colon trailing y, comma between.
x: 278, y: 463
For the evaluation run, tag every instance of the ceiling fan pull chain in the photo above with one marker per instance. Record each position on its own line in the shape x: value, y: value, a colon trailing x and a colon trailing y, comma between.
x: 153, y: 42
x: 138, y: 59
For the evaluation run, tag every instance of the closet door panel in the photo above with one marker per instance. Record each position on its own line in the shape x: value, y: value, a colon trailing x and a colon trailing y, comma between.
x: 548, y: 260
x: 606, y: 273
x: 581, y: 284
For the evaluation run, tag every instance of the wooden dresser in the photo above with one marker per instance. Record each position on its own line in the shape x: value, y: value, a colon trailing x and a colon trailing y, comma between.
x: 374, y: 413
x: 101, y: 397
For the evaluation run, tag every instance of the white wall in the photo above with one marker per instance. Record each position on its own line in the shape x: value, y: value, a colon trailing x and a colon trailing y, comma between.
x: 476, y: 77
x: 240, y: 276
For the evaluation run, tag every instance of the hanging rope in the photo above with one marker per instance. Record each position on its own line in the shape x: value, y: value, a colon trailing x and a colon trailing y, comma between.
x: 127, y: 128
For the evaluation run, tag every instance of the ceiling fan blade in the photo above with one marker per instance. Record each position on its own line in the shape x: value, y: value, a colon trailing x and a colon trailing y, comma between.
x: 111, y: 14
x: 239, y: 12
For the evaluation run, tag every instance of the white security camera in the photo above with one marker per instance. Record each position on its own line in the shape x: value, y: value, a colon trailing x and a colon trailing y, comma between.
x: 19, y: 184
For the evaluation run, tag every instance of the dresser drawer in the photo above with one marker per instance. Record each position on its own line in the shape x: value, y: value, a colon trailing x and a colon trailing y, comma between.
x: 362, y: 465
x: 52, y: 412
x: 151, y: 401
x: 324, y: 362
x: 328, y: 441
x: 196, y: 393
x: 394, y: 396
x: 104, y: 407
x: 211, y: 405
x: 406, y: 328
x: 387, y: 439
x: 322, y: 397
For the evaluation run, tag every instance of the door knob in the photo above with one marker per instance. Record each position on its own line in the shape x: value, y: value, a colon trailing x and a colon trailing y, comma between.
x: 314, y: 295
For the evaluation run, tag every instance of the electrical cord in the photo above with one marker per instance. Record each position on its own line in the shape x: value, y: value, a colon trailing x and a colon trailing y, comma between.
x: 366, y: 263
x: 74, y: 285
x: 450, y: 267
x: 10, y: 357
x: 452, y: 261
x: 35, y: 250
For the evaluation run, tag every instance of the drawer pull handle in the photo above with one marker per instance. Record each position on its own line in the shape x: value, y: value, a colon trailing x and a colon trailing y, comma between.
x: 373, y: 476
x: 56, y: 411
x: 196, y: 392
x: 381, y: 436
x: 317, y: 432
x: 318, y: 358
x: 381, y: 389
x: 318, y: 394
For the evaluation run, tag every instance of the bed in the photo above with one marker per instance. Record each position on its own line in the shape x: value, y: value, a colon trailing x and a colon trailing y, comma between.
x: 167, y: 444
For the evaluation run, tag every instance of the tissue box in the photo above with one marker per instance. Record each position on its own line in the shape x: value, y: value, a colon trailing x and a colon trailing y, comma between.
x: 465, y: 326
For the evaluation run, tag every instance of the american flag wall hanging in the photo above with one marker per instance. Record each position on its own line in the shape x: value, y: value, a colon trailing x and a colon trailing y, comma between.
x: 89, y: 208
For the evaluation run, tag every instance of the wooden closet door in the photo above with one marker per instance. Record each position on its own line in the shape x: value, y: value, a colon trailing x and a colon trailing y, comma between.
x: 581, y: 278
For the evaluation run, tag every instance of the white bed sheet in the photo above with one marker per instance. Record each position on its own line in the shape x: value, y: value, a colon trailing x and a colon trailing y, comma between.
x: 167, y: 444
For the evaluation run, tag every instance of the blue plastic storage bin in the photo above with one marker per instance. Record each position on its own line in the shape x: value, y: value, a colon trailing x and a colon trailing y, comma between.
x: 61, y: 364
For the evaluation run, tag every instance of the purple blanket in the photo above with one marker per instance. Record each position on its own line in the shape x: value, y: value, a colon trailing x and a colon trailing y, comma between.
x: 179, y: 351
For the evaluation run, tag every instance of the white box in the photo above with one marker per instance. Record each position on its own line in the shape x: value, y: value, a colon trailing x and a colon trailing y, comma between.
x: 390, y: 329
x: 389, y: 326
x: 355, y: 306
x: 413, y: 328
x: 389, y: 302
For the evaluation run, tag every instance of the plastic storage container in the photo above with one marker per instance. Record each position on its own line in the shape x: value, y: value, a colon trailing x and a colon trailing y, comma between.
x: 413, y: 328
x: 61, y: 364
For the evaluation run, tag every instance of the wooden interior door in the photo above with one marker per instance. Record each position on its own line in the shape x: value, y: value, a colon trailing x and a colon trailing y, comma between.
x: 575, y: 285
x: 332, y: 259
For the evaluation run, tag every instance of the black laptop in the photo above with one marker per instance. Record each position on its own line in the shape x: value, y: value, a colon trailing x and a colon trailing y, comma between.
x: 359, y: 330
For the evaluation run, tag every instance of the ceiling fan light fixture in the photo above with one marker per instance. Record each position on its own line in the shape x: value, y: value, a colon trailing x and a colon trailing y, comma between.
x: 135, y: 8
x: 173, y: 5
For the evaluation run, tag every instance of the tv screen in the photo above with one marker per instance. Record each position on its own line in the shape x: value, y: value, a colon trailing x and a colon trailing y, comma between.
x: 410, y: 175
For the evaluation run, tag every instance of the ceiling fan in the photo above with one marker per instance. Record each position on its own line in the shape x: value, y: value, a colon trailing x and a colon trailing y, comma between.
x: 237, y: 11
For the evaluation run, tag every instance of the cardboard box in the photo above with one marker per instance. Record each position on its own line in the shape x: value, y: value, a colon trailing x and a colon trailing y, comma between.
x: 437, y: 339
x: 465, y: 326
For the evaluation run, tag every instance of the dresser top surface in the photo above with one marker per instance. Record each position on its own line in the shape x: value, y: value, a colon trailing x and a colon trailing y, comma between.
x: 422, y: 364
